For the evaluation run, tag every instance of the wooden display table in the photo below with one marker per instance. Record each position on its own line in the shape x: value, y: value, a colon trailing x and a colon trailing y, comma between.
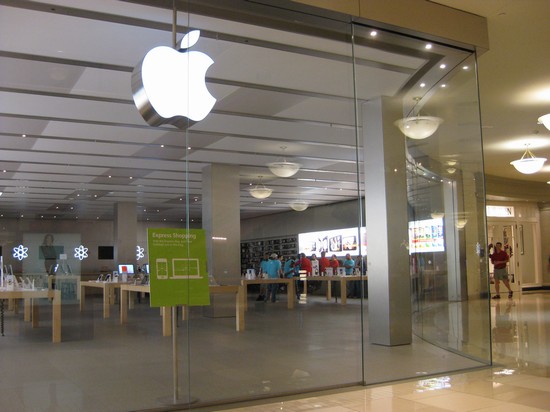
x: 31, y: 308
x: 329, y: 279
x: 108, y: 294
x: 125, y: 303
x: 291, y: 288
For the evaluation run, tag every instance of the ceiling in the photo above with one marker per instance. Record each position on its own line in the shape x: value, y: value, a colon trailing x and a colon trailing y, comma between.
x: 514, y: 82
x: 73, y: 144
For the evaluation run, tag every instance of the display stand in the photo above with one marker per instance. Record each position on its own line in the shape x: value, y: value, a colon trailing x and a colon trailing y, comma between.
x: 176, y: 397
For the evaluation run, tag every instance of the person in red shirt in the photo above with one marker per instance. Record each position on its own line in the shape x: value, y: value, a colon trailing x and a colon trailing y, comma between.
x: 334, y: 263
x: 499, y: 259
x: 305, y: 264
x: 323, y: 263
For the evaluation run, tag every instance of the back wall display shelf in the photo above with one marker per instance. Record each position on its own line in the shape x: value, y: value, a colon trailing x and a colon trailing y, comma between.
x: 252, y: 251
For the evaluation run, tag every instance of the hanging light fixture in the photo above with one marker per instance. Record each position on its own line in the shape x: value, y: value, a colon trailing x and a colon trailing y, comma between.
x: 545, y: 120
x: 418, y: 127
x: 284, y: 168
x: 260, y: 191
x: 528, y: 164
x: 461, y: 223
x: 299, y: 205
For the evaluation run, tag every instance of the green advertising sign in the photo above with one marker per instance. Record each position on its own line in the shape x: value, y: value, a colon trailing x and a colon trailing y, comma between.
x: 177, y: 267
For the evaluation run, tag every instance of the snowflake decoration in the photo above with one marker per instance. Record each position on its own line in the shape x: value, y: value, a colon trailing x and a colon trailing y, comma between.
x: 140, y: 252
x: 81, y: 252
x: 20, y: 252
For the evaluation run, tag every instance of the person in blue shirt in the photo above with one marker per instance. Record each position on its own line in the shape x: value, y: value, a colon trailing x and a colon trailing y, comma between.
x: 288, y: 271
x: 349, y: 264
x: 263, y: 273
x: 274, y: 271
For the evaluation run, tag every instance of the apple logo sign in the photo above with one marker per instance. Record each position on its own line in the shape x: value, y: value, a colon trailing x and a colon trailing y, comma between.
x: 169, y: 85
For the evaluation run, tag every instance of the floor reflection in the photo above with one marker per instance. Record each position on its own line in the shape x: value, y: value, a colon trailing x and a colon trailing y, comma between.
x: 519, y: 380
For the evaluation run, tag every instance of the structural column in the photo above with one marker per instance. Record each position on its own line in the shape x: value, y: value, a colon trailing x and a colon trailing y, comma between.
x: 389, y: 313
x: 221, y: 219
x: 125, y: 227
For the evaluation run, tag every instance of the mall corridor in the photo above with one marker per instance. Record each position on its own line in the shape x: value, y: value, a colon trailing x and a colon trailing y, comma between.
x: 519, y: 381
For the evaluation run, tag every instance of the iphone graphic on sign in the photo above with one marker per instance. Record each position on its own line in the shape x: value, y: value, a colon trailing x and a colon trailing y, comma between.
x: 162, y: 268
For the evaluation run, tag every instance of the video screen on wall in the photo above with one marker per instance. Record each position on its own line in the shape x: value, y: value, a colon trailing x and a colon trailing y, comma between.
x: 426, y: 236
x: 337, y: 242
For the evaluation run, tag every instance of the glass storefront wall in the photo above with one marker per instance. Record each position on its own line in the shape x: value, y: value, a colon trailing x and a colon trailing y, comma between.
x: 288, y: 86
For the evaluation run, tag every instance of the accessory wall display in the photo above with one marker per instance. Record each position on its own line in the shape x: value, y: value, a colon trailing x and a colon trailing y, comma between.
x: 252, y: 251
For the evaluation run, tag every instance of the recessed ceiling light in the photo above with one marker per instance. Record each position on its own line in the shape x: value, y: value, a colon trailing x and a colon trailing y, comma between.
x: 465, y: 67
x: 422, y: 84
x: 189, y: 148
x: 161, y: 145
x: 443, y: 86
x: 23, y: 135
x: 442, y: 66
x: 428, y: 46
x: 110, y: 176
x: 131, y: 177
x: 373, y: 33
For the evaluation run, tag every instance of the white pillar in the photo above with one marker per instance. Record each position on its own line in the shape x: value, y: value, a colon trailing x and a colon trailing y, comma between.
x: 125, y: 227
x: 389, y: 284
x: 221, y: 219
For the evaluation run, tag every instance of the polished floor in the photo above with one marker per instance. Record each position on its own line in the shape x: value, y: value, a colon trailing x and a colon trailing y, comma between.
x: 102, y: 365
x: 519, y: 381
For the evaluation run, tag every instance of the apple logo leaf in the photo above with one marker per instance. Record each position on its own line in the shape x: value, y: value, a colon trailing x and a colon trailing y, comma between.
x: 189, y: 39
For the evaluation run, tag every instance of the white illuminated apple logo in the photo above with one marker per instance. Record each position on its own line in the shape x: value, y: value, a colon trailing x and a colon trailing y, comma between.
x: 170, y: 85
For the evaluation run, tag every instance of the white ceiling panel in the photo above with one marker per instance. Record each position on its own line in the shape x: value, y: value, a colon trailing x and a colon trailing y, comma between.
x: 65, y: 83
x: 62, y: 169
x: 295, y: 151
x: 100, y: 132
x: 100, y: 148
x: 66, y: 108
x: 276, y: 130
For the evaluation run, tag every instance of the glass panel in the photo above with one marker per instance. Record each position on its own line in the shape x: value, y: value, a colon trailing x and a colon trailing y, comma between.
x: 434, y: 86
x: 84, y: 178
x: 446, y: 176
x: 290, y: 103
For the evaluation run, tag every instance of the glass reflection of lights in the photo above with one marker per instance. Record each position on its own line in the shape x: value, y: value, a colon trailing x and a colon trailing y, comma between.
x: 433, y: 384
x: 506, y: 372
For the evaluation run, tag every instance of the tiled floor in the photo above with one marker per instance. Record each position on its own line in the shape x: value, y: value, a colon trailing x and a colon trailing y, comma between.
x: 519, y: 381
x: 102, y: 365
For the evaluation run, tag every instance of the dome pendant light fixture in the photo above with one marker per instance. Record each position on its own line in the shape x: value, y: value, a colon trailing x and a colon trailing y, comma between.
x: 528, y: 164
x: 545, y: 120
x: 284, y: 168
x: 260, y: 191
x: 418, y: 127
x: 299, y: 205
